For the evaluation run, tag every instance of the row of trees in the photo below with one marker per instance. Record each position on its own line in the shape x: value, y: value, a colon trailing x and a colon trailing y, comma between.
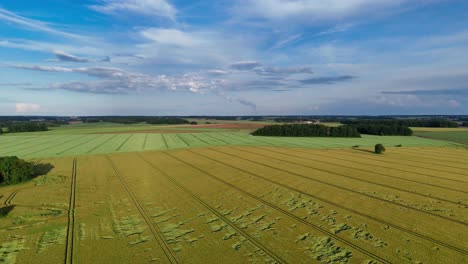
x: 434, y: 122
x: 384, y: 130
x: 292, y: 119
x: 14, y: 170
x: 303, y: 130
x: 25, y: 127
x: 136, y: 119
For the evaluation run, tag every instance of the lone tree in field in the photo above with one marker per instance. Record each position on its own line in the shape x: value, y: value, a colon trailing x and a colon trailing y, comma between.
x: 379, y: 149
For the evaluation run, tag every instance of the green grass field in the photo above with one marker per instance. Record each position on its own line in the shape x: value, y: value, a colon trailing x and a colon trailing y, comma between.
x: 460, y: 136
x: 68, y: 144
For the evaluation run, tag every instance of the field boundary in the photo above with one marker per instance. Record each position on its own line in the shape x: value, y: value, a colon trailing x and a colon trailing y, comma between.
x: 154, y: 230
x: 339, y: 206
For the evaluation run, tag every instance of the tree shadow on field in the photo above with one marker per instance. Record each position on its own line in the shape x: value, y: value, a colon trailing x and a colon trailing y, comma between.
x: 42, y: 168
x: 364, y: 150
x: 5, y: 210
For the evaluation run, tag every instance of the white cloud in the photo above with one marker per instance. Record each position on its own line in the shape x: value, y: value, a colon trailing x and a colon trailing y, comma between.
x: 310, y: 11
x: 25, y: 108
x: 63, y: 56
x: 160, y: 8
x: 217, y: 72
x: 201, y: 49
x: 32, y: 24
x: 175, y: 37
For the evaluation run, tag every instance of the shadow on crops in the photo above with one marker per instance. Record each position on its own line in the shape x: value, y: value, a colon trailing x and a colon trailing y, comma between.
x: 42, y: 168
x: 5, y: 210
x: 364, y: 150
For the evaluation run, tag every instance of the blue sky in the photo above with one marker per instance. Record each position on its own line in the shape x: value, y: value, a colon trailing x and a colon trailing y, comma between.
x: 236, y: 57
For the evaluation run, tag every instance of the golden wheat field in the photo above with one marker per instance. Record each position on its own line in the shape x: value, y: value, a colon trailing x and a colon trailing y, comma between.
x: 242, y: 205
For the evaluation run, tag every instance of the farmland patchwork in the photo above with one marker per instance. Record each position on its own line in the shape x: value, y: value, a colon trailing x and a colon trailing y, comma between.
x: 225, y: 204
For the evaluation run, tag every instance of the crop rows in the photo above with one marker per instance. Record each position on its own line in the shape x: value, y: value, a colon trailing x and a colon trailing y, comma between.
x: 238, y: 204
x: 72, y: 145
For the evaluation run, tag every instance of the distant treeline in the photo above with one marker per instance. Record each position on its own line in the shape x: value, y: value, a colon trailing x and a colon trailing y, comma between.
x: 292, y: 119
x: 14, y: 170
x: 303, y: 130
x: 24, y: 127
x: 403, y: 122
x: 136, y: 120
x: 383, y: 130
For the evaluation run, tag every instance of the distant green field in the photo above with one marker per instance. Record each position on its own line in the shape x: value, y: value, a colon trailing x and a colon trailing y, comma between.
x: 106, y: 128
x: 454, y: 136
x: 56, y: 145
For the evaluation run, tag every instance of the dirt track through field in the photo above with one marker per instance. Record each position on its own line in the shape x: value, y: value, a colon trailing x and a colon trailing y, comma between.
x: 71, y: 217
x: 154, y: 230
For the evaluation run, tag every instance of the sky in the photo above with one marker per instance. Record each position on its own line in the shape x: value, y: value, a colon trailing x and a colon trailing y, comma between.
x: 233, y: 57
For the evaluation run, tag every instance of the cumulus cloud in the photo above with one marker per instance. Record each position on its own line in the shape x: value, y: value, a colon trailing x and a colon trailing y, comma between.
x: 118, y: 81
x: 160, y: 8
x: 245, y: 65
x: 25, y: 108
x: 327, y: 80
x: 67, y: 57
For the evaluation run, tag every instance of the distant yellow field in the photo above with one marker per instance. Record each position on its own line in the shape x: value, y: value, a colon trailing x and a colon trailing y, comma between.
x: 231, y: 204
